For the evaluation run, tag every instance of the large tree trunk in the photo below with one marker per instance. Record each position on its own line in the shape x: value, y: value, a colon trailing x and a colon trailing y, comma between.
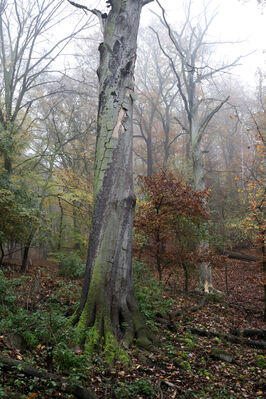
x: 108, y: 310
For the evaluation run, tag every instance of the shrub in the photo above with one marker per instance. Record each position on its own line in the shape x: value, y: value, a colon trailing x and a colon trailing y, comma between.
x: 170, y: 221
x: 149, y: 293
x: 69, y: 265
x: 65, y: 358
x: 142, y: 386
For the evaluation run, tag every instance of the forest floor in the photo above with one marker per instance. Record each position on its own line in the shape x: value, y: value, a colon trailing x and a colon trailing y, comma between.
x: 185, y: 364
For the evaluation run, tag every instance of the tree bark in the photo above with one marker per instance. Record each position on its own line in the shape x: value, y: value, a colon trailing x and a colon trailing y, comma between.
x: 2, y: 254
x: 108, y: 310
x: 25, y: 255
x: 60, y: 233
x: 205, y: 271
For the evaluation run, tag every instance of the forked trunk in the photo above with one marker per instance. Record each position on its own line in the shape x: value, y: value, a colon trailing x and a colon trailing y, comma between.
x: 108, y: 311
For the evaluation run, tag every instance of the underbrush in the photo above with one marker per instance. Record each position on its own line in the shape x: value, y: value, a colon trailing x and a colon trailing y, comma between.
x: 69, y: 264
x: 181, y: 366
x: 45, y: 327
x: 150, y: 294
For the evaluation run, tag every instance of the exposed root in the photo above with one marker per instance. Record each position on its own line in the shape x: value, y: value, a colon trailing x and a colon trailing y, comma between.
x: 111, y: 334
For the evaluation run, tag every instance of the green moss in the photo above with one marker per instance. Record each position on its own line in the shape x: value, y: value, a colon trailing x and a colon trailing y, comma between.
x: 189, y: 343
x: 110, y: 28
x: 82, y: 324
x: 112, y: 351
x: 93, y: 341
x: 144, y: 342
x: 260, y: 361
x: 109, y: 346
x: 185, y: 365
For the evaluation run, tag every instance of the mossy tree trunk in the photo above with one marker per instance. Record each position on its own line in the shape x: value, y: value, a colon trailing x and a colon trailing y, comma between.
x: 108, y: 311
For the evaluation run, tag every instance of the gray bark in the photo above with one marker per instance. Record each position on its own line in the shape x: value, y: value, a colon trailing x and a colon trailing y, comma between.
x: 108, y: 310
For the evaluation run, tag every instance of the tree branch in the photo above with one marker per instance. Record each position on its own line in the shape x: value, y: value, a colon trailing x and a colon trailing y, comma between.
x: 209, y: 117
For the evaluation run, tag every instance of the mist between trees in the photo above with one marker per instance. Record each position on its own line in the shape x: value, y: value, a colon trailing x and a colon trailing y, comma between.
x: 167, y: 121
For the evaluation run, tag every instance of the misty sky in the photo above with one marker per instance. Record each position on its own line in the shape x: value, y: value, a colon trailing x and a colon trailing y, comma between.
x: 237, y: 20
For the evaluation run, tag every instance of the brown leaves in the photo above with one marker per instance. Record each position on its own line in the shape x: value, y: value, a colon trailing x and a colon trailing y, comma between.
x: 168, y: 218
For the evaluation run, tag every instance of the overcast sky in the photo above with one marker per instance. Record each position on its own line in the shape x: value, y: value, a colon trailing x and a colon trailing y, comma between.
x: 236, y: 20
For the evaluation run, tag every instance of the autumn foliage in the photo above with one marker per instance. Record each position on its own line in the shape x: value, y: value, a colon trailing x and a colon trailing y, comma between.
x: 168, y: 222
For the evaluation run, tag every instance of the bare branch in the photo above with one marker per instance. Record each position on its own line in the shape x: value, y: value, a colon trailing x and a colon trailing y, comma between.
x: 179, y: 85
x: 210, y: 116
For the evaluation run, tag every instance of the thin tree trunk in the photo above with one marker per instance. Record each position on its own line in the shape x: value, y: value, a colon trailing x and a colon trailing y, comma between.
x: 226, y: 279
x: 26, y: 253
x: 75, y: 224
x: 263, y: 252
x: 2, y: 254
x: 32, y: 232
x: 59, y: 244
x: 108, y: 310
x: 186, y: 276
x: 149, y: 157
x: 264, y: 269
x: 264, y: 316
x: 7, y: 163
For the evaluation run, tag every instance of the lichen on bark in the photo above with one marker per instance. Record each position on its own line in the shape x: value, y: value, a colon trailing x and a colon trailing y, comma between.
x: 108, y: 317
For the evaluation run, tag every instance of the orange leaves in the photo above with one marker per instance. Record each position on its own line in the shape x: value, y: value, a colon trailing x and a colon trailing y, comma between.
x: 168, y: 214
x: 172, y: 197
x: 32, y: 395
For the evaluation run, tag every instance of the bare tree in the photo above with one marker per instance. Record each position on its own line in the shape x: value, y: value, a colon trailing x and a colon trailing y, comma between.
x: 155, y: 106
x: 193, y: 72
x: 64, y: 140
x: 27, y: 54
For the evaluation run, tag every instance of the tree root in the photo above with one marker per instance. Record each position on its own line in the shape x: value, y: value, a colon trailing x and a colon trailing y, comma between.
x: 61, y: 383
x: 111, y: 334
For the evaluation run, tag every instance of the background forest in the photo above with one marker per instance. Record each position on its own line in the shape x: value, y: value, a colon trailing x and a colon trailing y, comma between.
x: 198, y: 162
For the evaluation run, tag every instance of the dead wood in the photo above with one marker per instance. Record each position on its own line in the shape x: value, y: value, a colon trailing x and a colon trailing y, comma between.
x: 12, y: 395
x: 230, y: 338
x: 168, y: 384
x: 190, y: 308
x: 240, y: 256
x: 248, y: 333
x: 62, y: 384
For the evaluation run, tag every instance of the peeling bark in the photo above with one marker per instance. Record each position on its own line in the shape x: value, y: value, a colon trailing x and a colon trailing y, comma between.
x: 108, y: 311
